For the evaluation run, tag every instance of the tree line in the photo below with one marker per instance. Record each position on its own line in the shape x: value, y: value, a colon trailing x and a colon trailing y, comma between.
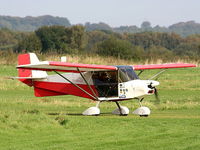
x: 33, y: 23
x: 75, y: 39
x: 30, y: 23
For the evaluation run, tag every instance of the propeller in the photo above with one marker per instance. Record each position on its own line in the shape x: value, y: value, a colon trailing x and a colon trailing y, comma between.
x: 156, y: 96
x: 155, y: 92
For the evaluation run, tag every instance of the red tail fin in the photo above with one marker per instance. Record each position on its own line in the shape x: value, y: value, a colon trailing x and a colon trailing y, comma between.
x: 24, y: 59
x: 26, y: 76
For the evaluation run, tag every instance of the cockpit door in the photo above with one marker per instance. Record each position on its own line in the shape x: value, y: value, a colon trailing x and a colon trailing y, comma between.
x: 126, y: 75
x: 106, y: 83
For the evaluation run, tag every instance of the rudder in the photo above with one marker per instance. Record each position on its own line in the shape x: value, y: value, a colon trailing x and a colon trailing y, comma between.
x: 30, y: 58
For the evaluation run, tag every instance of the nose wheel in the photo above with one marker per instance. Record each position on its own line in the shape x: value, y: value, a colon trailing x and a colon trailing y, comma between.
x: 140, y: 101
x: 142, y: 111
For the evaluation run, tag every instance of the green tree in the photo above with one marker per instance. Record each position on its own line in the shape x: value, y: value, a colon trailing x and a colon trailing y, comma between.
x: 9, y: 39
x: 138, y: 52
x: 148, y: 39
x: 115, y: 47
x: 78, y: 38
x: 31, y: 43
x: 62, y: 39
x: 146, y: 25
x: 94, y: 37
x: 191, y: 50
x: 158, y: 52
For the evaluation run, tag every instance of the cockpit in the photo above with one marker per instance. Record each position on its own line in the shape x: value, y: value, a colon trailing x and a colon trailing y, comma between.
x: 106, y: 82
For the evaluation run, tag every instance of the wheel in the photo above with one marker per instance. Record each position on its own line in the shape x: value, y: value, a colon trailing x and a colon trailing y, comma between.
x: 124, y: 111
x: 92, y: 111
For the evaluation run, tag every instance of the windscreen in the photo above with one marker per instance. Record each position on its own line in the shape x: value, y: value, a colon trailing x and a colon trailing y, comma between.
x: 126, y: 73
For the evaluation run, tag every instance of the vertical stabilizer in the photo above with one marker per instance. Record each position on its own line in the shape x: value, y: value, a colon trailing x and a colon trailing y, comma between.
x: 29, y: 58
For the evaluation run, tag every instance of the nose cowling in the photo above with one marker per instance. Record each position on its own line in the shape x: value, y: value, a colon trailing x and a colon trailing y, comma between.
x: 152, y: 84
x: 143, y: 87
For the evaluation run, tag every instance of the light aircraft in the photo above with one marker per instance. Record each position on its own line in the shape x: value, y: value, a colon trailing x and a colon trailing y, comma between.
x: 100, y: 83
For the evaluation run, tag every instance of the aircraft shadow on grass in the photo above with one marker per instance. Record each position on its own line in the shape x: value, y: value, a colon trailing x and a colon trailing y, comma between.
x: 75, y: 114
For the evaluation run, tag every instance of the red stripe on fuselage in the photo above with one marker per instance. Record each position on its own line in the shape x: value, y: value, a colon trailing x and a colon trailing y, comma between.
x: 42, y: 92
x: 43, y: 88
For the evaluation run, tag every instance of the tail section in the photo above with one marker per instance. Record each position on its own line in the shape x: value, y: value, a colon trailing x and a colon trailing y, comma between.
x: 25, y: 75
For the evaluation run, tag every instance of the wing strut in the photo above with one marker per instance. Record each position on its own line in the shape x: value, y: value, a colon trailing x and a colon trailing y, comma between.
x: 75, y: 85
x: 141, y: 71
x: 157, y: 74
x: 87, y: 84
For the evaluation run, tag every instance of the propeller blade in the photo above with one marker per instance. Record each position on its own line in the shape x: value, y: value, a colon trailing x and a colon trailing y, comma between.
x: 156, y: 96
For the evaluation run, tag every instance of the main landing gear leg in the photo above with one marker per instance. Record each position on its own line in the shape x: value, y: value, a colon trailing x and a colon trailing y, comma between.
x: 142, y: 111
x: 92, y: 111
x: 121, y: 110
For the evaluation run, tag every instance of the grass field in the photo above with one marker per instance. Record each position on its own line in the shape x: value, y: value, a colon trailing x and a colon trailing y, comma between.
x: 55, y: 123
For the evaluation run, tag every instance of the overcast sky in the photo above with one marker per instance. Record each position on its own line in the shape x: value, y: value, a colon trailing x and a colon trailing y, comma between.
x: 112, y: 12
